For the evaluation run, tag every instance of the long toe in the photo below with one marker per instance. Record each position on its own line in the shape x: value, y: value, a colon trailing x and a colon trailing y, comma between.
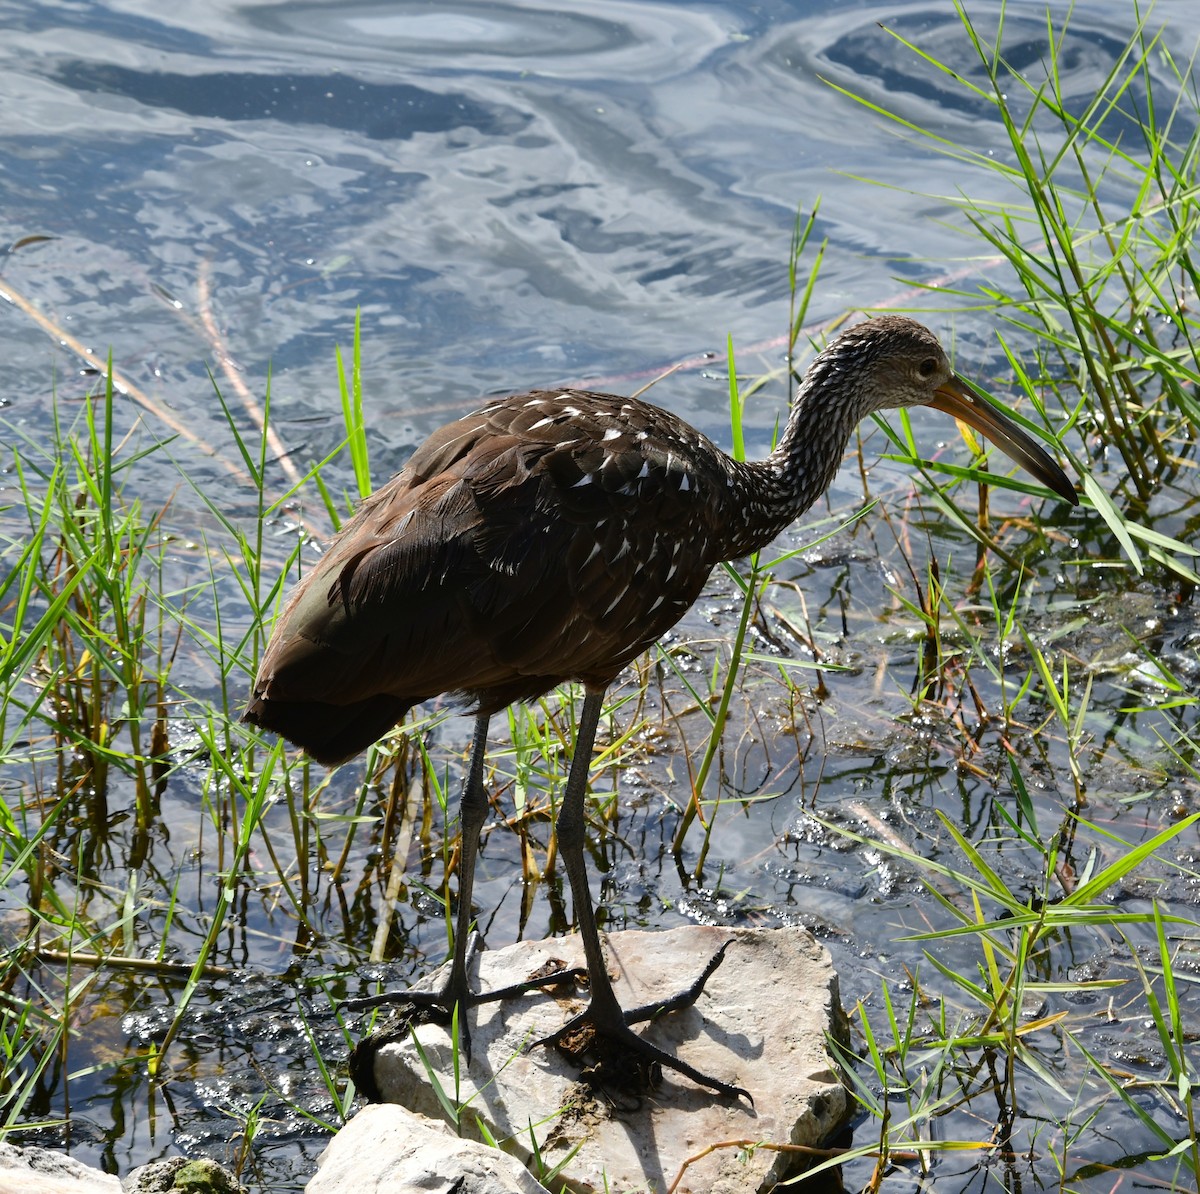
x: 437, y: 1005
x: 614, y: 1054
x: 554, y: 978
x: 680, y: 1000
x: 421, y: 1006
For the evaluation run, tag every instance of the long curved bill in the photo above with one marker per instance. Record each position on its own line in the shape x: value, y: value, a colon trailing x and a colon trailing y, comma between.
x: 963, y: 401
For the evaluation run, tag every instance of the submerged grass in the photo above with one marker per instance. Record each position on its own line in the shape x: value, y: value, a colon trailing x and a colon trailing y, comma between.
x: 145, y: 824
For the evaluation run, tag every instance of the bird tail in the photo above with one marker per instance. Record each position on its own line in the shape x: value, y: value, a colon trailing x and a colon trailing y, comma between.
x: 331, y: 734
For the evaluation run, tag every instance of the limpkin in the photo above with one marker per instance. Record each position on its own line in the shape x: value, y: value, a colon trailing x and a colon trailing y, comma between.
x: 554, y: 536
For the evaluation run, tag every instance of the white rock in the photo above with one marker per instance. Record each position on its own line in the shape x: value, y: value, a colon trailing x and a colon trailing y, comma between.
x: 44, y: 1171
x: 386, y: 1148
x: 760, y: 1024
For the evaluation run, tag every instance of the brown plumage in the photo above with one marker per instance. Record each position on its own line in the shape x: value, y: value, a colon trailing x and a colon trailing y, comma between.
x: 554, y: 536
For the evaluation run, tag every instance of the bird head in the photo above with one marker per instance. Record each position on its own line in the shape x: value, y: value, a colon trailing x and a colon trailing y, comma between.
x: 906, y: 366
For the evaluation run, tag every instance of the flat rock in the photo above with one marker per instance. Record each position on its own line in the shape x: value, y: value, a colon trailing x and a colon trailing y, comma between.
x: 44, y: 1171
x: 760, y: 1024
x: 387, y: 1148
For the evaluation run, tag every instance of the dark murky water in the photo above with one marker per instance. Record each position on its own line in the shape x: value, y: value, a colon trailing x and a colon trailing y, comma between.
x: 514, y: 194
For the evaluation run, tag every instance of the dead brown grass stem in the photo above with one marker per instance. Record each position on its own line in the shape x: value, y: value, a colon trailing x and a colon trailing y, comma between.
x: 57, y: 332
x: 252, y: 406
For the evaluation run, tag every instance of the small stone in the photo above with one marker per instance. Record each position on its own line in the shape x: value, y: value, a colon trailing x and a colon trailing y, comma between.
x: 200, y: 1176
x: 386, y: 1148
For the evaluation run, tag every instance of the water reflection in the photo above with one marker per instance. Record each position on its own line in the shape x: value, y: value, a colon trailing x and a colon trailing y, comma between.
x: 613, y: 42
x: 379, y: 112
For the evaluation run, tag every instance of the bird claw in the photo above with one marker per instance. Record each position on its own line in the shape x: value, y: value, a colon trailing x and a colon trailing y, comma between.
x: 578, y: 1036
x: 438, y: 1005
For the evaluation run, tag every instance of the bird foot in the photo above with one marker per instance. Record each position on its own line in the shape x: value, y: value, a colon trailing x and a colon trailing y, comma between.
x: 601, y: 1032
x: 437, y: 1004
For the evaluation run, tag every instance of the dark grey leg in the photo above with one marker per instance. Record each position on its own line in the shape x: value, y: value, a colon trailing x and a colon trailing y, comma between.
x: 456, y: 989
x: 603, y: 1012
x: 472, y: 815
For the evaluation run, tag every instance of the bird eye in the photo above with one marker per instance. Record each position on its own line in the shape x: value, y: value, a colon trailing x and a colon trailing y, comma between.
x: 928, y: 367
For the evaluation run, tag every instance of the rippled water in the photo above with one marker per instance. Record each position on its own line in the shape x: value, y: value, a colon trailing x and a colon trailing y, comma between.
x: 512, y: 194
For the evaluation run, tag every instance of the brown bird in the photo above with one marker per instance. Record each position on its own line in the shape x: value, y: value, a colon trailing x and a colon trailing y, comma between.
x: 554, y: 536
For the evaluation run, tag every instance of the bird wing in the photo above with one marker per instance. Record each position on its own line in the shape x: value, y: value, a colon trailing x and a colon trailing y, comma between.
x: 507, y: 556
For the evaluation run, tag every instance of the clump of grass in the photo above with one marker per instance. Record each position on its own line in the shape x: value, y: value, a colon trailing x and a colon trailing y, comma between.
x: 972, y: 1035
x: 1101, y: 276
x: 1095, y: 278
x: 87, y: 668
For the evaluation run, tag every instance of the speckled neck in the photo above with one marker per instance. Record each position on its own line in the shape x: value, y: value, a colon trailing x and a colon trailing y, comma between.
x: 768, y: 495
